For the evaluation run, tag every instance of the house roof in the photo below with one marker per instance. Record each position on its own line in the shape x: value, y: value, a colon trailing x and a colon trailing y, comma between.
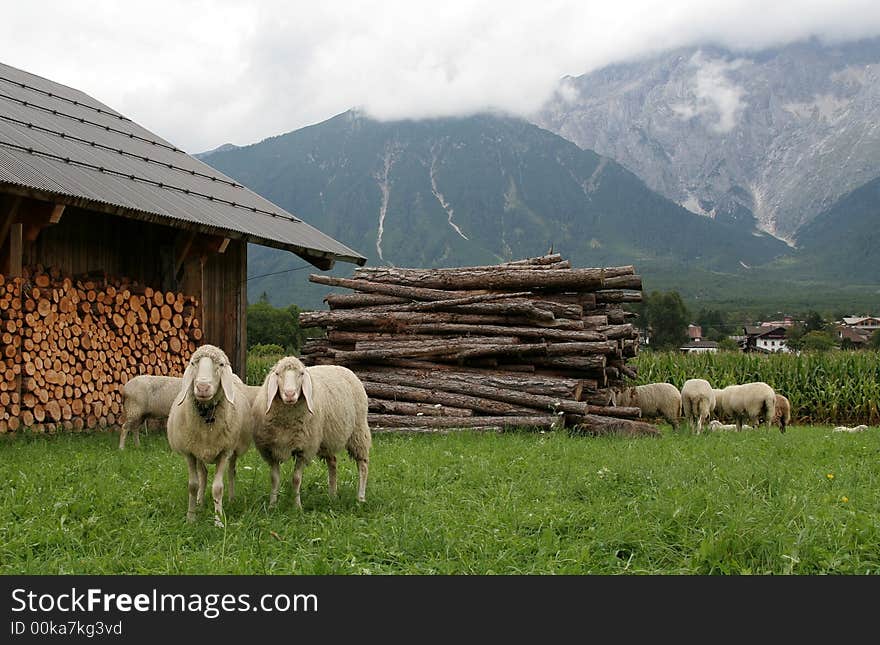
x: 59, y: 144
x: 756, y: 332
x: 854, y: 334
x: 700, y: 344
x: 858, y: 320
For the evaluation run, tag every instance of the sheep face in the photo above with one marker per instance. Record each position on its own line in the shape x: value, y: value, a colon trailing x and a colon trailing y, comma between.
x: 207, y: 374
x: 288, y: 380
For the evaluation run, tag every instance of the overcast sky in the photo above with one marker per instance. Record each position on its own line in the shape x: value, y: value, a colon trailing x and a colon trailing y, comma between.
x: 203, y: 73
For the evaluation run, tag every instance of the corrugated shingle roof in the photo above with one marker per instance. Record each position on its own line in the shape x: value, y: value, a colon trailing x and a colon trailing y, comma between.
x: 60, y: 142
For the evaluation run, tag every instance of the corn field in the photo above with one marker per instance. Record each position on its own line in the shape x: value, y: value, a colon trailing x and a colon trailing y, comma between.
x: 823, y: 387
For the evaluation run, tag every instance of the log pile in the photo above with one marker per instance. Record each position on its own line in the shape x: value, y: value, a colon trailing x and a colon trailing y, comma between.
x: 69, y: 344
x: 532, y: 343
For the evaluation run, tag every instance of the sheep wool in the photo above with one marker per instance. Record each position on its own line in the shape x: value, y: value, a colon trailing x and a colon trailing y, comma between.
x: 307, y: 412
x: 750, y: 401
x: 697, y: 403
x: 210, y: 422
x: 146, y: 397
x: 858, y: 428
x: 654, y: 400
x: 782, y: 417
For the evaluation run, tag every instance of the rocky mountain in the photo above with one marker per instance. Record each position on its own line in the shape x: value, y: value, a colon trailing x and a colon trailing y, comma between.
x: 766, y: 139
x: 843, y: 243
x: 465, y: 191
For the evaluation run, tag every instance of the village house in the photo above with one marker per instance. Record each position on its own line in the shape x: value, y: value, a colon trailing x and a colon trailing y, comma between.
x: 868, y: 324
x: 696, y: 342
x: 856, y: 331
x: 765, y: 338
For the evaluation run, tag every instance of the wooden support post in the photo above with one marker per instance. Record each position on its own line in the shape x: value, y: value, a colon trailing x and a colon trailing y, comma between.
x: 15, y: 249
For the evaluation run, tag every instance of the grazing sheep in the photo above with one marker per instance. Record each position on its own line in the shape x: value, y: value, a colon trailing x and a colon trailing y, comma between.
x: 783, y: 412
x: 146, y: 397
x: 697, y: 403
x: 859, y: 428
x: 330, y: 415
x: 654, y: 400
x: 752, y: 401
x: 715, y: 425
x: 718, y: 411
x: 210, y: 422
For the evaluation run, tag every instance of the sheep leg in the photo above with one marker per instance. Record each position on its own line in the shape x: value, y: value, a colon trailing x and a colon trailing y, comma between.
x: 193, y: 487
x: 297, y: 479
x: 126, y: 428
x: 363, y: 467
x: 137, y: 433
x: 232, y: 459
x: 203, y: 481
x: 217, y: 488
x: 331, y: 474
x: 275, y: 475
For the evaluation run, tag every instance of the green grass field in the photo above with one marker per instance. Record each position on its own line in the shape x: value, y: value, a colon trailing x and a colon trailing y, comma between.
x: 757, y: 502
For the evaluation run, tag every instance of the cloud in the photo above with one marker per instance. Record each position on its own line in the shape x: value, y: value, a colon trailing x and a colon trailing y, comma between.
x: 205, y: 72
x: 714, y: 93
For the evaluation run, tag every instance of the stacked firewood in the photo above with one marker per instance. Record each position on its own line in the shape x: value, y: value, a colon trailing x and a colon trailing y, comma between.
x: 530, y: 343
x: 69, y: 344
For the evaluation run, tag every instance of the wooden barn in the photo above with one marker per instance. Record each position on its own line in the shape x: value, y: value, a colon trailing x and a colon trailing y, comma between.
x: 90, y: 200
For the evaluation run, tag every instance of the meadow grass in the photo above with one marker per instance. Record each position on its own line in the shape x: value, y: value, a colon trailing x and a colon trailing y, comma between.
x: 756, y: 502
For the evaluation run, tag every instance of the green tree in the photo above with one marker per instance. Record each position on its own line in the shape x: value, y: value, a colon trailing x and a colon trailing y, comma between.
x: 818, y: 341
x: 794, y: 336
x: 814, y: 321
x: 666, y: 318
x: 874, y: 343
x: 712, y: 323
x: 268, y: 325
x: 729, y: 345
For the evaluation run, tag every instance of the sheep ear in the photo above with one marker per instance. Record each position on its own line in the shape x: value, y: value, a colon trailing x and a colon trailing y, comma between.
x: 272, y: 389
x: 189, y: 375
x: 227, y: 382
x: 307, y: 391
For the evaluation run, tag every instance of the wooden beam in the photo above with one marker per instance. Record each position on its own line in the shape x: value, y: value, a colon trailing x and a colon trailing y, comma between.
x: 57, y: 212
x: 8, y: 219
x: 184, y: 252
x: 15, y: 249
x: 223, y: 245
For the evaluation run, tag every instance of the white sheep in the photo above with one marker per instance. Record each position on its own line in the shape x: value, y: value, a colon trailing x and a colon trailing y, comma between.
x: 782, y: 415
x: 697, y: 403
x: 718, y: 412
x: 146, y: 397
x: 715, y: 426
x: 210, y: 422
x: 858, y: 428
x: 330, y: 415
x: 749, y: 401
x: 653, y: 399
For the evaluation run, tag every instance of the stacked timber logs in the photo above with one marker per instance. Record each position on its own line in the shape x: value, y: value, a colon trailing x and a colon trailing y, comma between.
x: 532, y: 343
x: 69, y: 344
